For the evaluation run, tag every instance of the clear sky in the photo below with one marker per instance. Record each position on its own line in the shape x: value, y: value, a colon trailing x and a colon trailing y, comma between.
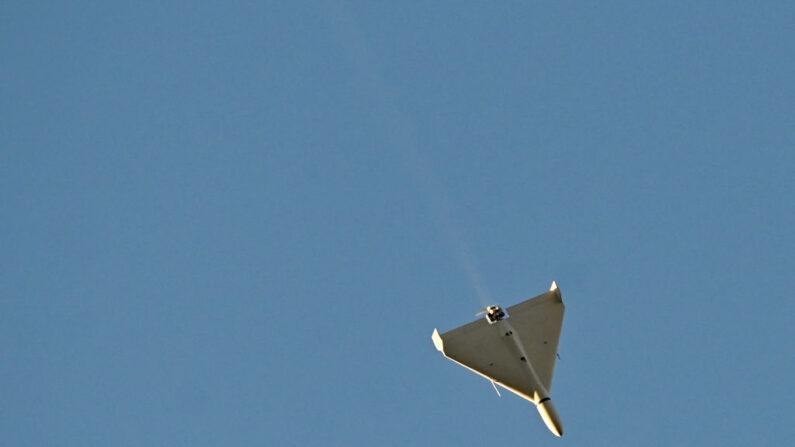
x: 238, y: 223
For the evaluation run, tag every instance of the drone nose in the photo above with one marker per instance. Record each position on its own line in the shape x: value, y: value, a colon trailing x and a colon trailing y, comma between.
x: 550, y: 416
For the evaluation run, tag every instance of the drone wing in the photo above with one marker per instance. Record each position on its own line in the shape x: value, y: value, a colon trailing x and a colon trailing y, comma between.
x: 491, y: 349
x: 538, y: 322
x: 482, y: 348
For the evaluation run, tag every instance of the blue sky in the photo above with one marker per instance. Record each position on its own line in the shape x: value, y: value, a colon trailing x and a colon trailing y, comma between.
x: 239, y: 224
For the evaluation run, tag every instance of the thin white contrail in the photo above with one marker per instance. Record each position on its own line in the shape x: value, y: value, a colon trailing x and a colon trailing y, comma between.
x: 404, y: 139
x: 442, y: 212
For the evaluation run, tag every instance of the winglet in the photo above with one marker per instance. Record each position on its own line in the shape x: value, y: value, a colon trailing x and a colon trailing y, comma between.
x: 554, y: 289
x: 437, y: 340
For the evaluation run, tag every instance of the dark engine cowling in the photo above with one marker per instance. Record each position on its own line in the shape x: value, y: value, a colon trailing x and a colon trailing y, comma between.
x: 494, y: 314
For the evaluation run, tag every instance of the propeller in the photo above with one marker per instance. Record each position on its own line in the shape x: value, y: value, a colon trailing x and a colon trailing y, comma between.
x: 488, y: 309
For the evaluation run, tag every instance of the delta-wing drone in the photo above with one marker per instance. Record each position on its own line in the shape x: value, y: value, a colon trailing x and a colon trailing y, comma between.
x: 515, y: 350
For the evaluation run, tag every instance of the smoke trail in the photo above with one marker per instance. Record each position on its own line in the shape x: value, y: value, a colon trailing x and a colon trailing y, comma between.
x: 442, y: 213
x: 403, y: 136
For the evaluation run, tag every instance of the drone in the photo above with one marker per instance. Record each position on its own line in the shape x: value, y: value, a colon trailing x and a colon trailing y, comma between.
x: 516, y: 349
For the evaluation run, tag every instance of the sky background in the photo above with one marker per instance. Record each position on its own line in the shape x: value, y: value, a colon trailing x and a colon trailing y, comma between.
x: 238, y: 223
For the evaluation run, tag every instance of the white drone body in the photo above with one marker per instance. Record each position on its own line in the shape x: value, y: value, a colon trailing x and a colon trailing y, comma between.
x: 516, y: 351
